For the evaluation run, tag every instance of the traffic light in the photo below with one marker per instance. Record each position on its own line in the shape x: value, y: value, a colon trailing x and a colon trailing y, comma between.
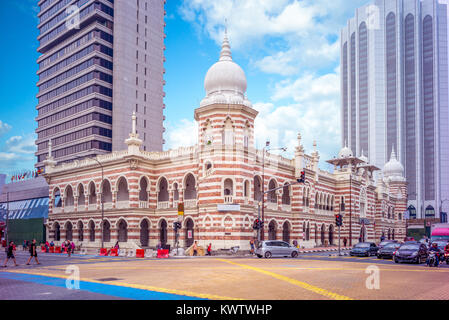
x: 256, y: 225
x: 338, y: 220
x: 302, y: 179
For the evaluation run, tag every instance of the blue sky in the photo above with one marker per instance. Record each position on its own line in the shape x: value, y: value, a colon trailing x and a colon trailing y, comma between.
x: 289, y: 50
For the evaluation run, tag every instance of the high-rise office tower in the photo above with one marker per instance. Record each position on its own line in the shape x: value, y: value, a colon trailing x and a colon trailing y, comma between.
x: 394, y: 82
x: 101, y: 60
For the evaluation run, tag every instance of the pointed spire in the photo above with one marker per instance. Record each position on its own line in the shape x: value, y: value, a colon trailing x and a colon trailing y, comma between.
x: 134, y: 125
x: 226, y: 54
x: 393, y: 154
x: 49, y: 149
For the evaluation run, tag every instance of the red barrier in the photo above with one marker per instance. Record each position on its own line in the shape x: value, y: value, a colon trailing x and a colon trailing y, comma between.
x: 43, y: 249
x: 103, y: 252
x: 52, y: 249
x: 140, y: 253
x: 114, y: 253
x: 162, y: 254
x: 58, y: 250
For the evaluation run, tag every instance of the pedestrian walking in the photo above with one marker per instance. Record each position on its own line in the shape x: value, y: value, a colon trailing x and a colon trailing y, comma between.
x: 195, y: 249
x: 382, y: 238
x: 209, y: 249
x: 251, y: 244
x: 33, y: 252
x: 73, y: 247
x: 24, y: 245
x: 47, y: 245
x: 69, y: 248
x: 10, y: 254
x: 345, y: 241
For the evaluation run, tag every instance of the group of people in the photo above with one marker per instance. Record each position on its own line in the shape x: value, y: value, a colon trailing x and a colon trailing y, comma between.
x: 11, y: 249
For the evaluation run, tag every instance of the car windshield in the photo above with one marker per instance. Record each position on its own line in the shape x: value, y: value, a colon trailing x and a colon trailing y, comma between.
x: 392, y: 245
x: 362, y: 245
x: 384, y: 243
x: 410, y: 247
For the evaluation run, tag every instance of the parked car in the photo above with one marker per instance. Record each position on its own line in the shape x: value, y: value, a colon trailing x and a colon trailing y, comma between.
x: 385, y: 242
x: 414, y: 252
x: 388, y: 250
x: 273, y: 248
x: 365, y: 249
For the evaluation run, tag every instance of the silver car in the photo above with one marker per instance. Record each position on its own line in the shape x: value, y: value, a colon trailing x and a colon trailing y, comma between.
x: 274, y: 248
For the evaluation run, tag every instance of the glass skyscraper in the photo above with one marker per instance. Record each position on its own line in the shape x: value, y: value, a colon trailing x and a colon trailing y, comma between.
x: 101, y: 60
x: 394, y: 84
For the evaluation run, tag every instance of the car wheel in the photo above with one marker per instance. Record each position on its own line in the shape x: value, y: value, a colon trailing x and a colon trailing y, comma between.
x: 268, y: 255
x: 396, y: 260
x: 294, y: 254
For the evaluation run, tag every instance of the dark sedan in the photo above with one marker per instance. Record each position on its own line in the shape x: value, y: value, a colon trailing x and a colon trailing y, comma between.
x: 388, y: 250
x: 411, y: 252
x: 364, y: 249
x: 385, y: 242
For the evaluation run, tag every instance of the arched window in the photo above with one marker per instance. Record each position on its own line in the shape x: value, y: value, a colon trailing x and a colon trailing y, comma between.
x: 412, y: 212
x: 122, y: 231
x: 143, y: 192
x: 80, y: 231
x: 286, y: 194
x: 144, y: 233
x: 91, y: 231
x: 81, y: 197
x: 272, y: 196
x: 122, y: 190
x: 106, y: 231
x: 246, y: 189
x: 246, y: 134
x: 228, y: 132
x: 257, y: 189
x: 175, y: 192
x: 163, y: 191
x: 308, y: 231
x: 331, y: 234
x: 208, y: 134
x: 323, y: 234
x: 92, y: 193
x: 69, y: 231
x: 107, y: 193
x: 317, y: 200
x: 308, y: 198
x: 189, y: 235
x: 69, y: 199
x: 190, y: 187
x: 430, y: 212
x: 57, y: 198
x: 228, y: 189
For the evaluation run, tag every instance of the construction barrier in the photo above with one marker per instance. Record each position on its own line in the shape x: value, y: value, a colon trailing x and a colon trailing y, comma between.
x: 140, y: 253
x: 65, y: 250
x: 163, y: 254
x: 52, y: 249
x: 58, y: 250
x: 43, y: 249
x: 103, y: 252
x: 114, y: 253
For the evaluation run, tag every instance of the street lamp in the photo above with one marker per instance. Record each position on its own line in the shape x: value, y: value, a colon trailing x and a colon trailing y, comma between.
x: 265, y: 149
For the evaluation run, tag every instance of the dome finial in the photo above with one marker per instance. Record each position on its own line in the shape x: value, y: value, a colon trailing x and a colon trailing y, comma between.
x: 393, y: 154
x: 226, y: 54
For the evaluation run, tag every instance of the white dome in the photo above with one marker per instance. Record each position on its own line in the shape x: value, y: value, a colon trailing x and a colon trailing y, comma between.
x: 225, y: 78
x: 345, y: 152
x: 363, y: 158
x: 393, y: 168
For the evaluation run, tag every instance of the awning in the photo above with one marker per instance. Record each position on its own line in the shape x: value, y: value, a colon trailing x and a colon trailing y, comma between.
x: 440, y: 232
x: 25, y: 209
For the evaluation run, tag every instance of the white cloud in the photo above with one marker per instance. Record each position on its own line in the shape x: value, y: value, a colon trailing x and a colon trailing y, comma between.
x: 23, y: 145
x: 183, y: 134
x: 4, y: 128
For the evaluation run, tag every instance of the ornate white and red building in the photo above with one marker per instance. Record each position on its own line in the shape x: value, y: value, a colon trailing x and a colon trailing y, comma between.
x: 220, y: 182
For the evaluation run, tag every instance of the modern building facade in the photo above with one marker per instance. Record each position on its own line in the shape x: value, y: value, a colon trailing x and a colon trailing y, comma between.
x: 394, y: 84
x: 220, y: 181
x: 101, y: 61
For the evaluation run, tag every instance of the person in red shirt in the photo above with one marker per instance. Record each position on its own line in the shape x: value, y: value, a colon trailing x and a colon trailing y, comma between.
x: 209, y: 249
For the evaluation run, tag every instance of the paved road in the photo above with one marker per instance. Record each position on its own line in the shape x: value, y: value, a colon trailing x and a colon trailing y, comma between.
x: 311, y: 276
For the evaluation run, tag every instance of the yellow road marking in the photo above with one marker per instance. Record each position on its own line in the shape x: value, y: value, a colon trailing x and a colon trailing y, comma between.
x: 295, y: 282
x: 137, y: 286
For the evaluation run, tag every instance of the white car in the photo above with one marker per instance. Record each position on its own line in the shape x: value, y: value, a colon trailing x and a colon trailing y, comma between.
x: 273, y: 248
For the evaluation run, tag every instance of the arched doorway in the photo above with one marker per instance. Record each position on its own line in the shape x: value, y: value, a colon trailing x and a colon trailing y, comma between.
x: 69, y: 231
x: 122, y: 231
x: 323, y: 234
x: 91, y: 231
x: 286, y: 232
x: 331, y: 234
x: 163, y: 233
x: 57, y: 235
x: 144, y: 233
x: 189, y: 235
x: 106, y: 231
x: 272, y: 231
x: 80, y: 231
